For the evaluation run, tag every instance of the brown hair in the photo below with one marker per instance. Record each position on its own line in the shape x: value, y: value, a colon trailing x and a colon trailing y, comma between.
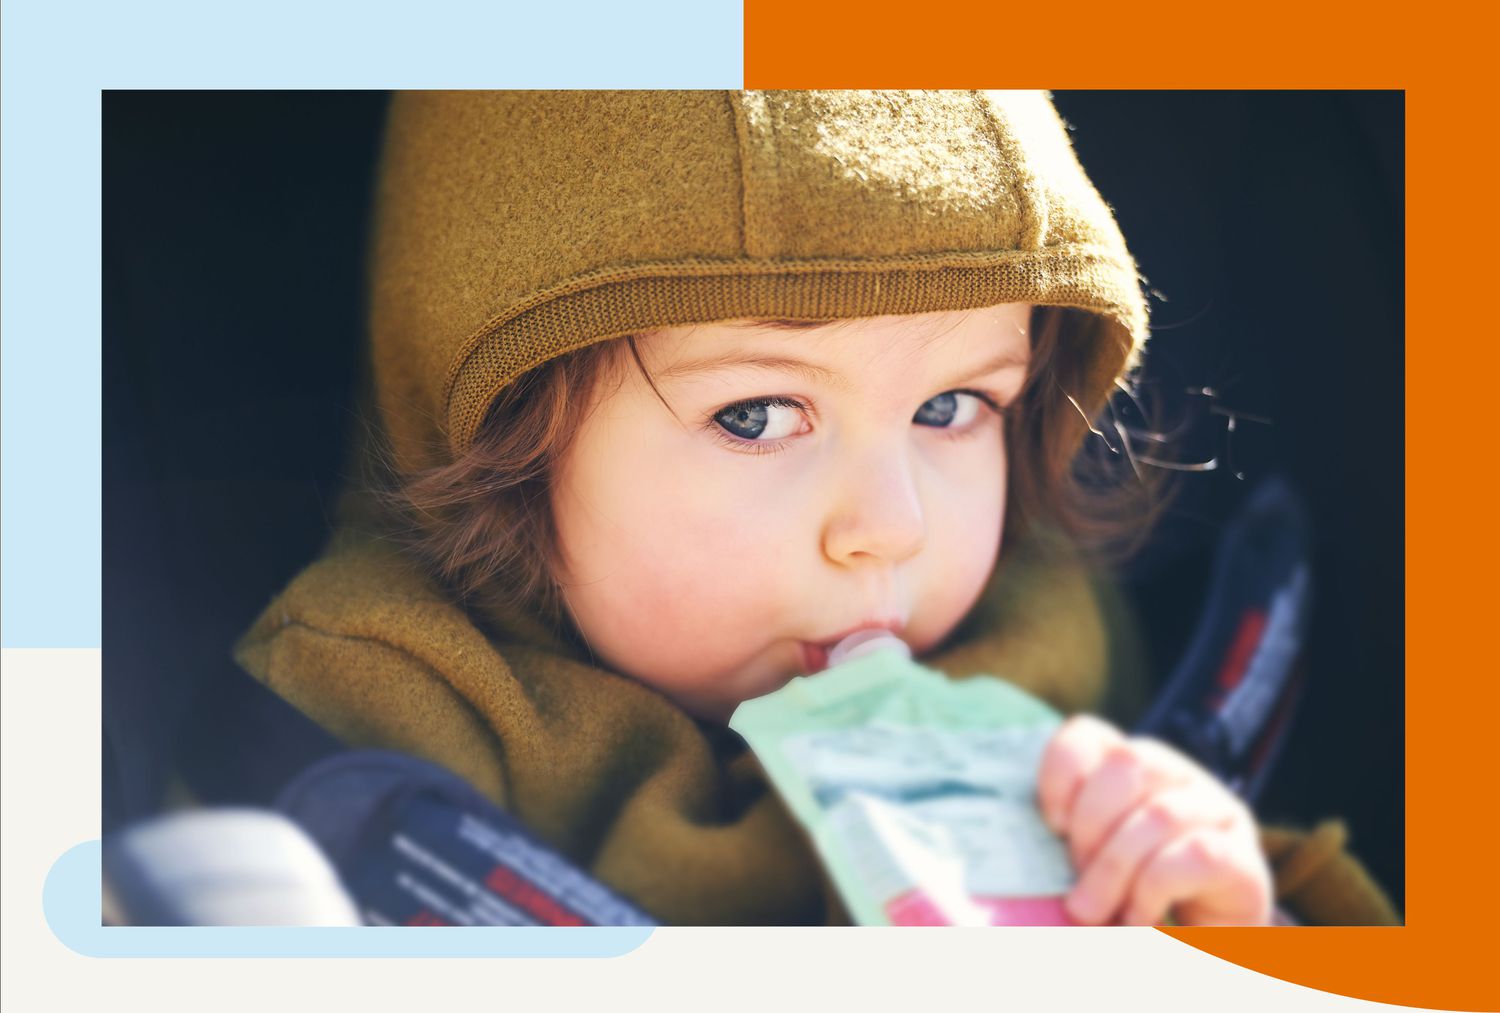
x: 489, y: 514
x: 1070, y: 472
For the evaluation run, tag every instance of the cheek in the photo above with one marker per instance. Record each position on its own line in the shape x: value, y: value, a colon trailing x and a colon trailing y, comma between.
x: 705, y: 526
x: 970, y: 495
x: 670, y: 560
x: 978, y: 529
x: 712, y: 552
x: 965, y: 544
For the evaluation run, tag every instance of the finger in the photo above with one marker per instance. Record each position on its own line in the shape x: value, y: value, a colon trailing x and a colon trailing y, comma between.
x: 1209, y: 876
x: 1107, y: 880
x: 1128, y: 774
x: 1074, y: 753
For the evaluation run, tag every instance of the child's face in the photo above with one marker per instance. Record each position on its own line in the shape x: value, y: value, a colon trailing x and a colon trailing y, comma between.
x: 705, y: 569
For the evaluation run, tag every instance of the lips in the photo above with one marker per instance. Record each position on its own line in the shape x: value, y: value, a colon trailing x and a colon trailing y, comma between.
x: 814, y: 658
x: 815, y: 655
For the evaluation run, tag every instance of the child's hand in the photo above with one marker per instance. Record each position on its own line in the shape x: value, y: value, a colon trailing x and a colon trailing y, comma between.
x: 1151, y: 833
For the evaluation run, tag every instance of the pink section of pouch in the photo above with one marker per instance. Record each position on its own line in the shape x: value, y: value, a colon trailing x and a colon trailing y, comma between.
x: 1025, y: 910
x: 915, y: 907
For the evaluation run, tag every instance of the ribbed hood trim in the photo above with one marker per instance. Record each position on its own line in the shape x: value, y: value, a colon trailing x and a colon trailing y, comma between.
x: 607, y: 304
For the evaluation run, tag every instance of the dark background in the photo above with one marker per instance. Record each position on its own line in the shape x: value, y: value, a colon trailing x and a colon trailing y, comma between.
x: 1270, y: 225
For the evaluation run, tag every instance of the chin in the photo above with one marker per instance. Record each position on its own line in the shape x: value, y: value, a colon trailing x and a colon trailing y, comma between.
x: 760, y: 677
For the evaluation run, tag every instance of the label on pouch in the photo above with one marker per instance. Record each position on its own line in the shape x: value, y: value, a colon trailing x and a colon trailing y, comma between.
x: 919, y: 791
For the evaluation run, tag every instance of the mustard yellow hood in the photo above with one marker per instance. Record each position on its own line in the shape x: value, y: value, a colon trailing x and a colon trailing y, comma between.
x: 512, y: 227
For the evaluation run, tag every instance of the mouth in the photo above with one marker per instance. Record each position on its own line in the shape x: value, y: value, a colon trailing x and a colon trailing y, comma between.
x: 815, y: 655
x: 814, y: 658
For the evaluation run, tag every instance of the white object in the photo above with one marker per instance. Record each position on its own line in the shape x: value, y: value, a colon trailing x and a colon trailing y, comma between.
x: 858, y: 645
x: 234, y: 867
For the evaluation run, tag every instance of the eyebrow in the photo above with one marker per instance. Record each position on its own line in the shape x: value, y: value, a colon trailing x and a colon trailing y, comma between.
x: 811, y: 370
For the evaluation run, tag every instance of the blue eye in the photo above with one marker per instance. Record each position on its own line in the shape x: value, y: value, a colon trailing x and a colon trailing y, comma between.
x: 954, y: 411
x: 940, y: 411
x: 754, y: 426
x: 749, y: 420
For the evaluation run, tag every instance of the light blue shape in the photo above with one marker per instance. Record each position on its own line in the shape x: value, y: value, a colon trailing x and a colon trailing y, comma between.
x: 56, y: 58
x: 70, y: 902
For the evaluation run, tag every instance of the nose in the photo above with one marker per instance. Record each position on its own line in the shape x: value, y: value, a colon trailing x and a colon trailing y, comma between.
x: 877, y: 515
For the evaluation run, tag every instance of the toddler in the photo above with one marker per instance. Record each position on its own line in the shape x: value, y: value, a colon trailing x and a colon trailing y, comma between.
x: 676, y: 390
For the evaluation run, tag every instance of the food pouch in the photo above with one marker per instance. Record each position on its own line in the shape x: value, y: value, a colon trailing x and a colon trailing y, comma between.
x: 919, y: 792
